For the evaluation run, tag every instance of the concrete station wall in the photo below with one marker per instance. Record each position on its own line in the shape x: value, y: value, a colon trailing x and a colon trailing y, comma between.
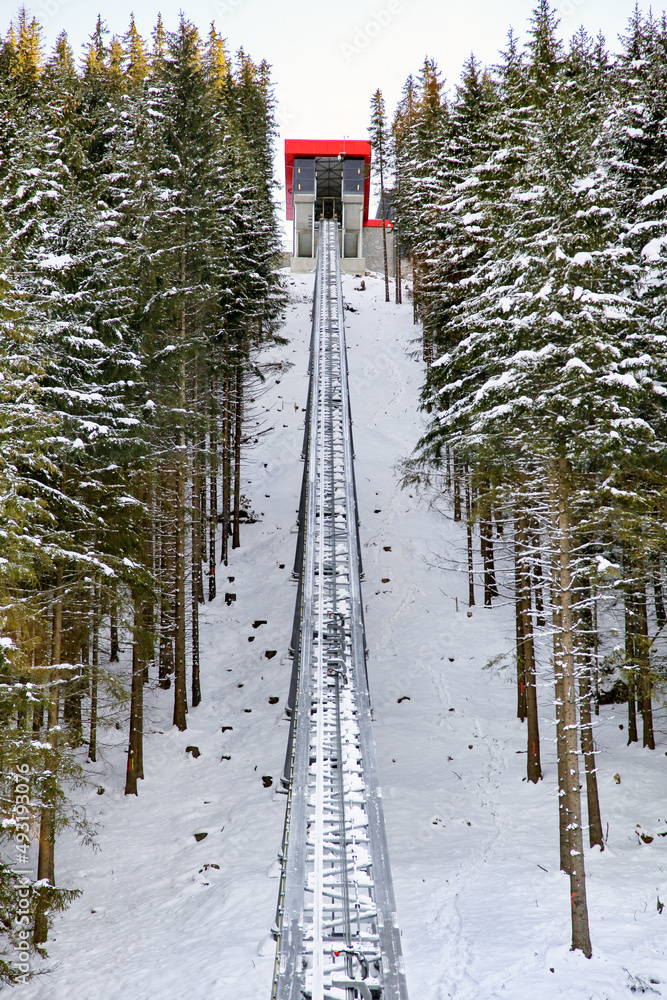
x: 372, y: 242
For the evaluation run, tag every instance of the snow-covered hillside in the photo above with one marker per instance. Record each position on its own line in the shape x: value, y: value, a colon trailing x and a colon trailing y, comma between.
x: 483, y: 908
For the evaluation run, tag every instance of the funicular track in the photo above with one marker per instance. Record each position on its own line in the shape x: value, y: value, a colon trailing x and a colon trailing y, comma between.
x: 336, y: 926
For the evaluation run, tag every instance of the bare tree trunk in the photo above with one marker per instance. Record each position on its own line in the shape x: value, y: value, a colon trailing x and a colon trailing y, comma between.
x: 180, y: 706
x: 415, y: 295
x: 595, y: 671
x: 632, y: 710
x: 213, y: 494
x: 471, y: 567
x: 203, y: 514
x: 135, y: 755
x: 457, y: 487
x: 658, y: 596
x: 585, y: 661
x: 643, y: 649
x: 486, y: 540
x: 196, y: 581
x: 521, y: 693
x: 94, y: 679
x: 167, y: 602
x: 533, y: 766
x: 595, y: 836
x: 226, y: 470
x: 537, y: 577
x: 564, y: 665
x: 384, y: 253
x: 148, y: 608
x: 113, y: 630
x: 76, y: 686
x: 631, y: 661
x: 397, y: 269
x: 384, y: 223
x: 238, y: 433
x: 180, y: 702
x: 197, y: 517
x: 561, y: 752
x: 523, y: 592
x: 47, y: 827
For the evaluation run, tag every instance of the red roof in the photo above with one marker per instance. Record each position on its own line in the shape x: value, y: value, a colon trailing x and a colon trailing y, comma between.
x: 325, y: 147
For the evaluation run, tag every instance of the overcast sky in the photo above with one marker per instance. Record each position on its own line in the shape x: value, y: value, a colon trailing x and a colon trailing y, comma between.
x: 328, y: 58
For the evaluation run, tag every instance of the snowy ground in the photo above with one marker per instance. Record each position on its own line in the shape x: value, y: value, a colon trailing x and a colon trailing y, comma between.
x: 483, y: 908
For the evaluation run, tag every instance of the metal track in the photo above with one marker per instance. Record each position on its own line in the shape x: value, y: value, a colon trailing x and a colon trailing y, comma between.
x: 336, y: 924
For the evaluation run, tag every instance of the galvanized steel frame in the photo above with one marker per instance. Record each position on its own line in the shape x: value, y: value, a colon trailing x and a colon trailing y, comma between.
x: 336, y: 940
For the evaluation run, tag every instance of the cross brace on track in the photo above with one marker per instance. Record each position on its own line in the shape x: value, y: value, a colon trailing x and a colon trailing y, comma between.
x: 336, y: 927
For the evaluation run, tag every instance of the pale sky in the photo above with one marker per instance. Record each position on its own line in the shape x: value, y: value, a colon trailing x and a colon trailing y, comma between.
x: 328, y: 58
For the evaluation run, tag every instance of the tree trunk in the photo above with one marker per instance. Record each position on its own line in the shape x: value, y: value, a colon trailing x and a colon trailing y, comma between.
x: 47, y: 827
x: 167, y: 604
x: 586, y: 660
x: 457, y: 488
x: 564, y: 665
x: 537, y: 577
x: 631, y: 665
x: 415, y: 293
x: 658, y: 596
x: 521, y: 693
x: 148, y: 607
x: 198, y: 512
x: 561, y: 752
x: 632, y: 710
x: 203, y: 513
x: 238, y: 432
x: 564, y: 833
x: 644, y: 656
x: 384, y: 251
x: 196, y: 581
x: 94, y: 677
x: 471, y: 567
x: 588, y: 749
x: 72, y: 702
x: 486, y: 540
x: 113, y: 631
x: 524, y: 613
x: 213, y: 495
x: 180, y: 702
x: 596, y: 660
x: 226, y: 470
x: 135, y: 755
x: 397, y: 269
x: 180, y: 706
x: 384, y: 233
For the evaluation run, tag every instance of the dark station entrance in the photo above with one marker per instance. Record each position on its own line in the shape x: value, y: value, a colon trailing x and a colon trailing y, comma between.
x: 329, y: 173
x: 327, y: 180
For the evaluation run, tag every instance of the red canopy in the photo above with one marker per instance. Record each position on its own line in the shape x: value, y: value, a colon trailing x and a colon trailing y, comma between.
x: 325, y: 147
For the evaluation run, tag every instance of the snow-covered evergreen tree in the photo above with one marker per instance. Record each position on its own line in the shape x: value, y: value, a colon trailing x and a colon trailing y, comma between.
x: 139, y: 244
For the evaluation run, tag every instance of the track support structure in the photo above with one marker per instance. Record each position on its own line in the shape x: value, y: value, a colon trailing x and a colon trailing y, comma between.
x: 336, y: 926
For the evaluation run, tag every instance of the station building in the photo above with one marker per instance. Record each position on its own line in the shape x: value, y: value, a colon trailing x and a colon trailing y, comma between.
x: 331, y: 179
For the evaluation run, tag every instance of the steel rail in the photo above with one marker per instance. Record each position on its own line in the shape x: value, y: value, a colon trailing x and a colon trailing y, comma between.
x: 336, y: 927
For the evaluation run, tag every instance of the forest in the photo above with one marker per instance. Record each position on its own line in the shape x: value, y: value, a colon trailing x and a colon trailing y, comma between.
x: 138, y: 282
x: 531, y: 204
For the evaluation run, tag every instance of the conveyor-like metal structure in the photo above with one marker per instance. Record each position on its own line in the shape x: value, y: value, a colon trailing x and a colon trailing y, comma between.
x: 336, y: 927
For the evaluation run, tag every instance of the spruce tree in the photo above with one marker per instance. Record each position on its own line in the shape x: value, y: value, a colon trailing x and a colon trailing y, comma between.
x: 379, y: 142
